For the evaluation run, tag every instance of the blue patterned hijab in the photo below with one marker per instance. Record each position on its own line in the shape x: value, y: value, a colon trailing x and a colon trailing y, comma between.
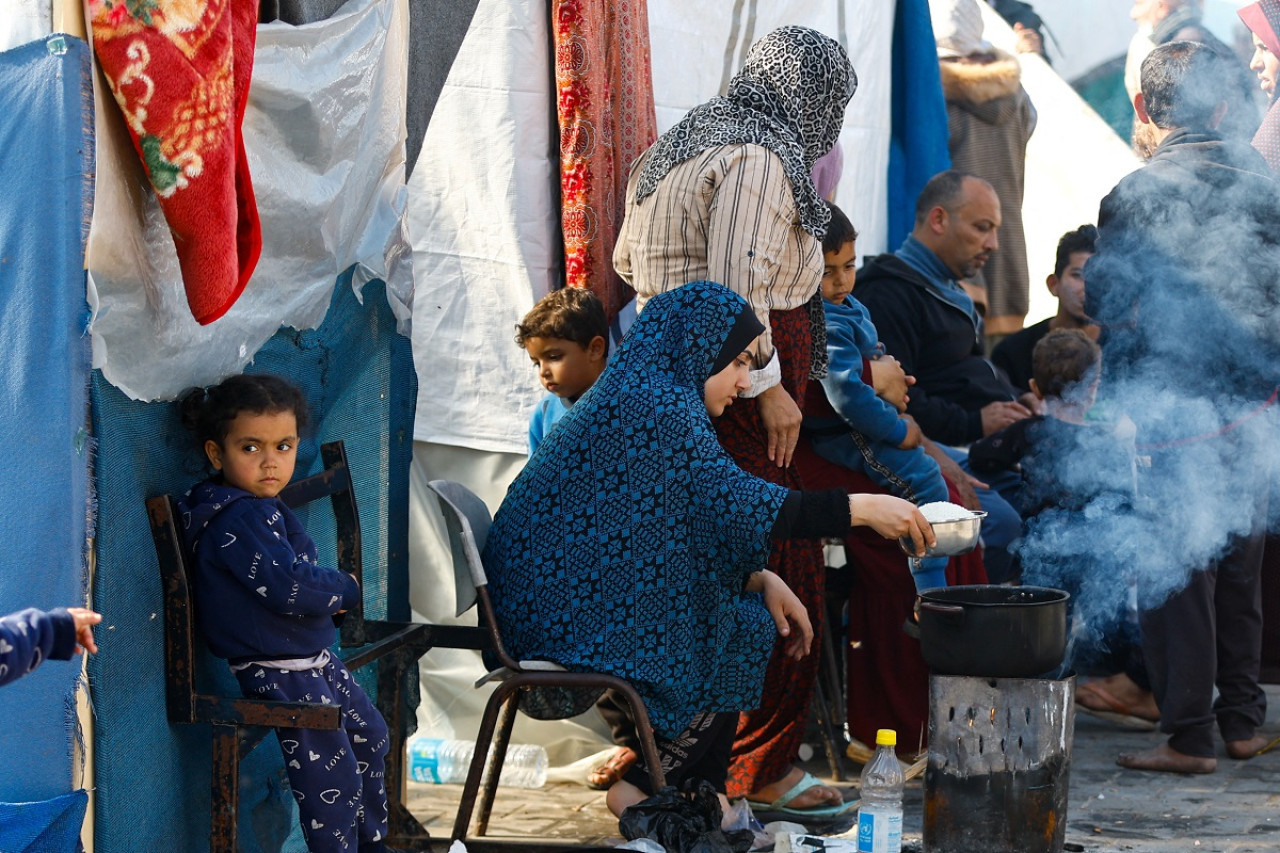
x: 624, y: 544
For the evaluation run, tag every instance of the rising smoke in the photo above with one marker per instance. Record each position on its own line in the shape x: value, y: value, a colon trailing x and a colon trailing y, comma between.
x: 1186, y: 284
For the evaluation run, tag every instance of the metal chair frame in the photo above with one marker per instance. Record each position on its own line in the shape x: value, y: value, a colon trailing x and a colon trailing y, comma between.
x: 239, y: 724
x: 467, y: 521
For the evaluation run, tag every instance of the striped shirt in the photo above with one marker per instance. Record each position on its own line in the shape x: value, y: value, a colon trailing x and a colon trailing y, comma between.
x: 726, y: 215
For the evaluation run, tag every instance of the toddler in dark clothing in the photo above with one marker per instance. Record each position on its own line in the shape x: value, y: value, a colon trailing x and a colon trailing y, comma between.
x: 1065, y: 462
x: 252, y: 560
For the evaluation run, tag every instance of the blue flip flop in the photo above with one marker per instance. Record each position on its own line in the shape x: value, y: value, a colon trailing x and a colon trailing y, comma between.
x: 782, y: 805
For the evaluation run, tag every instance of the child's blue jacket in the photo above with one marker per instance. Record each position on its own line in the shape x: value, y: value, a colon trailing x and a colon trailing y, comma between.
x: 31, y: 636
x: 258, y: 592
x: 850, y: 337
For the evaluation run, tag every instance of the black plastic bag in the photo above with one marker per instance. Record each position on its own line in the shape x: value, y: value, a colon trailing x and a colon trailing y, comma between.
x: 684, y: 823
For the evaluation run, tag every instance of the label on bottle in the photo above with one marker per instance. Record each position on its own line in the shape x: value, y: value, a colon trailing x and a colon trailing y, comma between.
x: 879, y: 832
x: 424, y: 760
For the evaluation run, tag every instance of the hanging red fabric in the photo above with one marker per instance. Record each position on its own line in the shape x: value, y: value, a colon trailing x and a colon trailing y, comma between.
x: 604, y: 101
x: 180, y: 69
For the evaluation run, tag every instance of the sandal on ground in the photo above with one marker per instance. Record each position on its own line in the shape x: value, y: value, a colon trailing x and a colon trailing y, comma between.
x: 782, y: 805
x: 1115, y: 710
x: 604, y: 776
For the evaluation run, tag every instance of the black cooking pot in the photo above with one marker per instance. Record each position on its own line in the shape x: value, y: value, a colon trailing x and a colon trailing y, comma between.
x: 993, y: 631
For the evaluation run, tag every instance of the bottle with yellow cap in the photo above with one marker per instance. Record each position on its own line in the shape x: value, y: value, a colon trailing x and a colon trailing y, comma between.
x: 880, y: 812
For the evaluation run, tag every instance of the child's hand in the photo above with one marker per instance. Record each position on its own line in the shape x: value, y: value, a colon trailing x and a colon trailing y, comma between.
x: 890, y: 381
x: 914, y: 435
x: 85, y: 620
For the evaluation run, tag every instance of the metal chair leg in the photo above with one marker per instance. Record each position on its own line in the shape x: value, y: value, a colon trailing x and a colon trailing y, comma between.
x: 225, y: 789
x: 494, y: 771
x: 644, y: 731
x: 484, y: 737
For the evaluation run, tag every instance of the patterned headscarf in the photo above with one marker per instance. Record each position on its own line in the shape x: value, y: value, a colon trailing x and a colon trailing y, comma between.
x: 1263, y: 20
x: 624, y: 544
x: 789, y: 97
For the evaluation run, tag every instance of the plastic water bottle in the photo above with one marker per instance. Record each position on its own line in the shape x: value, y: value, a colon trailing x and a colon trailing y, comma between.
x: 880, y: 813
x: 442, y: 762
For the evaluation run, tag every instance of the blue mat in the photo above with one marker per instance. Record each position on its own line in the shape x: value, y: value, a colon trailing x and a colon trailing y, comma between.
x: 52, y: 826
x: 46, y: 169
x: 153, y: 777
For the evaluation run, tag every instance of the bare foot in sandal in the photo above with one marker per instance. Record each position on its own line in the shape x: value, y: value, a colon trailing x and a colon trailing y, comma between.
x: 812, y: 797
x: 1166, y: 759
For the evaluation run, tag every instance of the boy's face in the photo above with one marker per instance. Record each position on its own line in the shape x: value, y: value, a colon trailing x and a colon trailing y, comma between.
x: 259, y: 453
x: 1069, y: 287
x: 566, y: 368
x: 839, y: 272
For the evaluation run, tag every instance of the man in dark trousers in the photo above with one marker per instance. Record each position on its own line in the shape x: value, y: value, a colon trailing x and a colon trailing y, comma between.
x: 1184, y: 285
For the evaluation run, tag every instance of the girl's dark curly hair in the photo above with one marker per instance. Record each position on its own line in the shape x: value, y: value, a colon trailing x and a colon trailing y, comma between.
x: 208, y: 412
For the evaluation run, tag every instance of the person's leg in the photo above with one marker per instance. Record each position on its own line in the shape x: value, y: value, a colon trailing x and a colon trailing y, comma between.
x: 321, y: 767
x: 369, y: 741
x: 1241, y: 705
x: 622, y: 728
x: 768, y: 739
x: 1178, y: 643
x: 701, y: 751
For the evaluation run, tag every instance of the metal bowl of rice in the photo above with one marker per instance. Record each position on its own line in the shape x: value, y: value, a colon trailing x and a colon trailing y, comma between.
x: 956, y: 528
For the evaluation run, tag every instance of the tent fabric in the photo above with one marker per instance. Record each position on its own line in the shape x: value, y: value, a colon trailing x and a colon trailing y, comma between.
x: 356, y: 373
x: 324, y: 137
x: 605, y: 106
x: 918, y: 147
x: 46, y: 134
x: 50, y: 826
x: 180, y: 75
x: 483, y: 219
x: 25, y: 21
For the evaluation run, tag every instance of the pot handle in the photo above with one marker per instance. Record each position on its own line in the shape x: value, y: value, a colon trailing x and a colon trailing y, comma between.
x: 949, y: 610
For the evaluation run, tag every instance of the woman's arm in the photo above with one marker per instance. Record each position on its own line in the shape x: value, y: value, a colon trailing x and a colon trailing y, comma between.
x: 810, y: 515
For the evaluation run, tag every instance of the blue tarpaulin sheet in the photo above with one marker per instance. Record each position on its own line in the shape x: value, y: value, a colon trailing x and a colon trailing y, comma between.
x: 918, y: 141
x: 46, y: 168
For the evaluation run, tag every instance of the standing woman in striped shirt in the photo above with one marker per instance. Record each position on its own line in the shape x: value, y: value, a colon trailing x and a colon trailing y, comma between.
x: 726, y: 196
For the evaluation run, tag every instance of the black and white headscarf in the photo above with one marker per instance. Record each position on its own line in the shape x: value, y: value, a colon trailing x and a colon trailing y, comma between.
x: 789, y: 97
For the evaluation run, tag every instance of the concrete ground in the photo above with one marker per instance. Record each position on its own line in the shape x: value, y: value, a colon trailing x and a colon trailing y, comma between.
x: 1236, y: 809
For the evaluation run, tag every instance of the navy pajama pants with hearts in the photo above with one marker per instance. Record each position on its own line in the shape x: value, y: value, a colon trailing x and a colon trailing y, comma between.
x: 336, y: 776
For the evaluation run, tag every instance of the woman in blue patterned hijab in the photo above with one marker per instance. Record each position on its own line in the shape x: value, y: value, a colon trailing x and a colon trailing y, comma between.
x: 632, y: 544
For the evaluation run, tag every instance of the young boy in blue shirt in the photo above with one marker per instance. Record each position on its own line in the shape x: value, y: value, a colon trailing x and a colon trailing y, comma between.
x: 870, y: 434
x: 567, y: 338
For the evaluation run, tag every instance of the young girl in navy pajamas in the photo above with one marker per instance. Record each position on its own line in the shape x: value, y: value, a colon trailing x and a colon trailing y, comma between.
x: 266, y: 606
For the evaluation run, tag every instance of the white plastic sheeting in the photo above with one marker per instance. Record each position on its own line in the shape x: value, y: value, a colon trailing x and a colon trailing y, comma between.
x: 22, y: 21
x: 483, y: 208
x: 324, y: 132
x: 1074, y: 158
